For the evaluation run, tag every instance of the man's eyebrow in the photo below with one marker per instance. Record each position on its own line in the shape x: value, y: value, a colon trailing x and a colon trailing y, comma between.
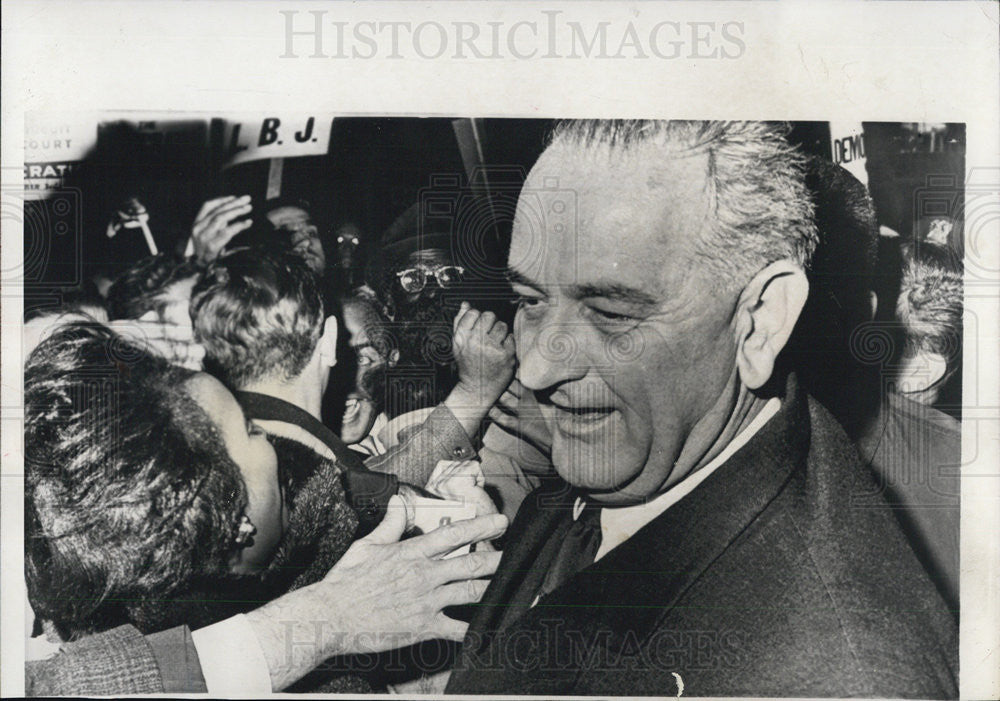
x: 614, y: 291
x: 361, y: 346
x: 516, y: 278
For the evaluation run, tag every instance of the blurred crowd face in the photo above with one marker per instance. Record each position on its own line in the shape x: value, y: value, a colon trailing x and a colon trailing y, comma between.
x: 172, y: 306
x: 621, y: 339
x: 348, y: 240
x: 250, y: 450
x: 304, y: 235
x: 360, y: 408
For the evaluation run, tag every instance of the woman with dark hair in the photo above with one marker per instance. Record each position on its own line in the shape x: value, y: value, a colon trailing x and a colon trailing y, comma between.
x: 140, y: 478
x: 153, y: 507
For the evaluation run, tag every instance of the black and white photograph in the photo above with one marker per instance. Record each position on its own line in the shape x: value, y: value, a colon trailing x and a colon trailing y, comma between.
x: 683, y: 401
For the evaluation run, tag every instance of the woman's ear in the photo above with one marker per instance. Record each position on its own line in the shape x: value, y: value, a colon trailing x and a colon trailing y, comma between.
x: 768, y: 310
x: 242, y: 561
x: 393, y: 357
x: 328, y: 342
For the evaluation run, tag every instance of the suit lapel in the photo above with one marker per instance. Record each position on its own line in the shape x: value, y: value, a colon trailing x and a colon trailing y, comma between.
x: 544, y: 514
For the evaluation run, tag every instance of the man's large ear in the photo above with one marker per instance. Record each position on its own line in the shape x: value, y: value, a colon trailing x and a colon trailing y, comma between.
x: 768, y: 309
x: 328, y: 342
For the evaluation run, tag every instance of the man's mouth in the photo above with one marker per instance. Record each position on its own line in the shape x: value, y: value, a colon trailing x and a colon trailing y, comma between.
x: 581, y: 416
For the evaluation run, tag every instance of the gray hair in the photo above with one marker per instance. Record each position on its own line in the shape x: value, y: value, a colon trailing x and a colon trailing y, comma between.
x: 929, y: 306
x: 763, y: 210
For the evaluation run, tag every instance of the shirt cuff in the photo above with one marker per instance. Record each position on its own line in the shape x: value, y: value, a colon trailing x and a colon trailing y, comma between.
x: 231, y: 659
x: 177, y: 659
x: 453, y: 441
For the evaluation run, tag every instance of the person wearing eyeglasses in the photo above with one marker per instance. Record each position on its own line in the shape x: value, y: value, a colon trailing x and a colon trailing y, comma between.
x: 446, y: 362
x: 420, y: 286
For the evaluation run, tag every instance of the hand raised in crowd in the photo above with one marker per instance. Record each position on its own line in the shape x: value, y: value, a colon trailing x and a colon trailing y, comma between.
x: 173, y: 342
x: 517, y: 412
x: 484, y: 351
x: 216, y: 224
x: 381, y: 595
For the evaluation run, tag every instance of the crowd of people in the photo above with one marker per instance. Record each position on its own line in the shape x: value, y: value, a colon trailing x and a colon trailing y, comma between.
x: 706, y: 411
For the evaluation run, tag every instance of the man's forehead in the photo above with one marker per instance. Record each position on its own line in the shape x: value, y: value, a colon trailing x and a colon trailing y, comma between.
x: 593, y: 216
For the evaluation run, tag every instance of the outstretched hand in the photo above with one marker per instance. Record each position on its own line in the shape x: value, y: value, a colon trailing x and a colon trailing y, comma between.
x: 174, y: 342
x: 218, y: 221
x: 517, y: 412
x: 381, y: 595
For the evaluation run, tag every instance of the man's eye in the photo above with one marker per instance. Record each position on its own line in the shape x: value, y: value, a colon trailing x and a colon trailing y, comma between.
x: 253, y: 429
x: 613, y: 317
x: 530, y: 307
x: 522, y: 302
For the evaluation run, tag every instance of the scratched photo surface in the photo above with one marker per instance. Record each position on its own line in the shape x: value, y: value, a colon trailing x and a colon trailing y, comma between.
x: 710, y: 372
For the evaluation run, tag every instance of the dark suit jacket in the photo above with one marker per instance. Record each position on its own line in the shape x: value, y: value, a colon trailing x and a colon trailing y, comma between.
x: 764, y: 581
x: 915, y: 452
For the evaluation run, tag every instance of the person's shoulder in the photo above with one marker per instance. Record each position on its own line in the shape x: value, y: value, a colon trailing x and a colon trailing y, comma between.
x: 294, y: 446
x: 827, y: 438
x: 855, y: 559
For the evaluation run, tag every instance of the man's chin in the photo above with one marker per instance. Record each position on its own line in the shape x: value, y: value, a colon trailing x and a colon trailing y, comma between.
x: 600, y: 470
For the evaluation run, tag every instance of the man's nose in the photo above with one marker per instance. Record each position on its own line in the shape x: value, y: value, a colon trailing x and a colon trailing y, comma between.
x: 549, y: 353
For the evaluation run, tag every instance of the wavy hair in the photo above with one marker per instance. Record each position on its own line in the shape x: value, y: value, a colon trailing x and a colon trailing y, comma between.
x: 259, y: 314
x: 929, y: 305
x: 129, y: 489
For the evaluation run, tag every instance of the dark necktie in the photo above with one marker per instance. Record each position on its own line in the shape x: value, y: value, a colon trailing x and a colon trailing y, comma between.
x: 578, y: 550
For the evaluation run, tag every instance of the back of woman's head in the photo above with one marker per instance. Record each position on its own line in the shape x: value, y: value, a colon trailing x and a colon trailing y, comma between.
x: 129, y: 489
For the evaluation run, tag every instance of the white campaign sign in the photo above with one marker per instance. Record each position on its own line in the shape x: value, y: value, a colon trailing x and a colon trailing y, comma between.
x: 54, y: 144
x: 847, y: 145
x: 280, y: 136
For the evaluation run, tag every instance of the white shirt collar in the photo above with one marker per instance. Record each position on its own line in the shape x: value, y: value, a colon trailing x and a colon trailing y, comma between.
x: 296, y: 433
x: 621, y: 523
x: 372, y: 444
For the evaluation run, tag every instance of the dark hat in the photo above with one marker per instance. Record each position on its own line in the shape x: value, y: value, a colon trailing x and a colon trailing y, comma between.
x: 286, y: 201
x: 413, y: 231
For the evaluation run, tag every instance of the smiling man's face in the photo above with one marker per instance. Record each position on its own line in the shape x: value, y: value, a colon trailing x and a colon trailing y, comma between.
x: 360, y: 408
x: 619, y: 331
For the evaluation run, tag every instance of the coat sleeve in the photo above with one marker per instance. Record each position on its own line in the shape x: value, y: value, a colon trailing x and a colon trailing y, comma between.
x: 115, y: 662
x: 418, y: 452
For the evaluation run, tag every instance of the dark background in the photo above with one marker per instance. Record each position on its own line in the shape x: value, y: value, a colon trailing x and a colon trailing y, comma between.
x: 377, y: 167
